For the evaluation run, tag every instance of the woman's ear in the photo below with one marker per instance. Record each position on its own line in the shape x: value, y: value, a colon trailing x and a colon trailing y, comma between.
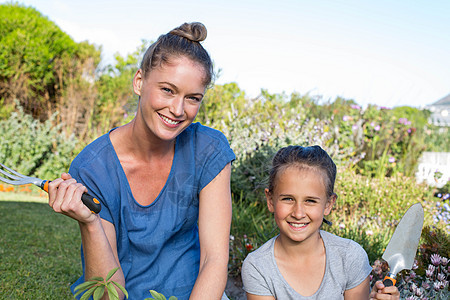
x: 330, y: 204
x: 269, y: 199
x: 137, y: 82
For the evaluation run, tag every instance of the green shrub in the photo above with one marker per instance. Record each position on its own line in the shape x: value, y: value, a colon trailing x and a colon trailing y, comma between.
x: 34, y: 148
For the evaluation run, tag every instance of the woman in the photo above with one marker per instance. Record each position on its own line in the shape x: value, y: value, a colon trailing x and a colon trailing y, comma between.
x: 164, y: 183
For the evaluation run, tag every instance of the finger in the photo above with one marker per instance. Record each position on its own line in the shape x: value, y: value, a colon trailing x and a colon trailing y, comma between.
x: 66, y: 176
x: 392, y: 290
x: 52, y: 190
x: 63, y: 193
x: 73, y: 203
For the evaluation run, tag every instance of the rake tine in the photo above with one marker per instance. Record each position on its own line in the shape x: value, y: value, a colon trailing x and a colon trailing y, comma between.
x: 10, y: 175
x: 12, y: 171
x: 6, y: 180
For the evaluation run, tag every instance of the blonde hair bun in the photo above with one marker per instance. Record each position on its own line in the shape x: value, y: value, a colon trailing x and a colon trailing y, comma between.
x: 195, y: 31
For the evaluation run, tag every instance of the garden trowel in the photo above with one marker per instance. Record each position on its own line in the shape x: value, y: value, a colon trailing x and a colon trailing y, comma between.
x: 401, y: 250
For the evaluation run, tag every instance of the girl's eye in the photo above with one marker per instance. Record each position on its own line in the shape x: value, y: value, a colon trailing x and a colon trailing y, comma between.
x: 311, y: 200
x: 287, y: 199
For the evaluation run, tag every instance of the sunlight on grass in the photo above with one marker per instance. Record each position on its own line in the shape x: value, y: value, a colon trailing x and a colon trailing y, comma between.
x: 39, y: 250
x: 34, y: 196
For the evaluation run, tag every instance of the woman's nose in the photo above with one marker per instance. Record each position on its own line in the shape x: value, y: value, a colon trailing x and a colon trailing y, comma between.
x: 177, y: 106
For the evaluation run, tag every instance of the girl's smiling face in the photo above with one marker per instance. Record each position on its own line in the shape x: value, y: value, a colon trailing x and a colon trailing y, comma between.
x: 299, y: 203
x: 170, y: 97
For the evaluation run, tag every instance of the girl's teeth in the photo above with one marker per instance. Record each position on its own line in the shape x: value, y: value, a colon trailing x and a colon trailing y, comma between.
x: 297, y: 225
x: 169, y: 120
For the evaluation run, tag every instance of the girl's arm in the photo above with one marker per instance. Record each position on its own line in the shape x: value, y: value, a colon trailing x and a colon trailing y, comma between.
x: 97, y: 235
x: 359, y: 292
x: 256, y: 297
x: 214, y: 232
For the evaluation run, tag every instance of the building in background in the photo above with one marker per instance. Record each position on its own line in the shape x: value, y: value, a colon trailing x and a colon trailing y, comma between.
x: 440, y: 112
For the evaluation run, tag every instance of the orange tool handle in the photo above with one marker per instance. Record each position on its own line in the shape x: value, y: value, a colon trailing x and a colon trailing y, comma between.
x: 389, y: 281
x: 92, y: 203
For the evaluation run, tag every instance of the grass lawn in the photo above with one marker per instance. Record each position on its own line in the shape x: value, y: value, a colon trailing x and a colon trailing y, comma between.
x: 39, y: 249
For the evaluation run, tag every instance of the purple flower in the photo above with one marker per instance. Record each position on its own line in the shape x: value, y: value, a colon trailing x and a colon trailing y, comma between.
x: 403, y: 121
x: 435, y: 259
x: 412, y: 274
x: 377, y: 128
x: 437, y: 286
x: 345, y: 118
x: 441, y: 277
x: 355, y: 106
x: 425, y: 285
x: 429, y: 272
x: 354, y: 127
x: 384, y: 107
x: 409, y: 130
x: 444, y: 260
x: 391, y: 159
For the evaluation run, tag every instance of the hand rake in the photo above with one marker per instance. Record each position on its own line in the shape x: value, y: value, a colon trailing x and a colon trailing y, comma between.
x: 16, y: 178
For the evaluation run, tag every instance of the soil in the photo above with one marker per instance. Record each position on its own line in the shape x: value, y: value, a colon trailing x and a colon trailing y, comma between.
x: 234, y: 289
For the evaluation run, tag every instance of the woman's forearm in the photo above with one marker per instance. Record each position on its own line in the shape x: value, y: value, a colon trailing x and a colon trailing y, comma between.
x: 211, y: 280
x: 99, y: 256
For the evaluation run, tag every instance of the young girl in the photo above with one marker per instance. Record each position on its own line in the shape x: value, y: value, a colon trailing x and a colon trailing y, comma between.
x: 304, y: 262
x: 164, y: 183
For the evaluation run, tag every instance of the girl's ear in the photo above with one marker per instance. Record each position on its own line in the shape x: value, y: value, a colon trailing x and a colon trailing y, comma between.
x: 137, y: 82
x: 330, y: 204
x: 269, y: 200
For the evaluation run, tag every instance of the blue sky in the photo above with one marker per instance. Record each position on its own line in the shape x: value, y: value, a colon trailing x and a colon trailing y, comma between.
x: 388, y: 53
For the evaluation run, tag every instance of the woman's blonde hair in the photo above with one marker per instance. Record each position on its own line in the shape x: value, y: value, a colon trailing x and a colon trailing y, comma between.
x: 181, y: 41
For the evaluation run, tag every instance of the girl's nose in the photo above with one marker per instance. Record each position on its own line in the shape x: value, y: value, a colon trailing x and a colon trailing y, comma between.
x: 177, y: 106
x: 298, y: 211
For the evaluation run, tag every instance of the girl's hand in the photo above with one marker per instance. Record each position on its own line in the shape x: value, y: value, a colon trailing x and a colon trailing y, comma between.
x: 379, y: 291
x: 64, y: 196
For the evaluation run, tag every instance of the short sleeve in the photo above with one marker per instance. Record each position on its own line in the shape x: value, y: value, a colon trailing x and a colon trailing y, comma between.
x: 358, y: 266
x: 95, y: 167
x: 215, y: 148
x: 253, y: 280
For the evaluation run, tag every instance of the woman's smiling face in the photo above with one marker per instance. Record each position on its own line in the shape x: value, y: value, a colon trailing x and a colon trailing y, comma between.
x: 299, y: 203
x: 170, y: 97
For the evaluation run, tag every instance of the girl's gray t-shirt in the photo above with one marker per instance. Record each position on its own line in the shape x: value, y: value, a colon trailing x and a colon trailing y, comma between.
x: 347, y: 266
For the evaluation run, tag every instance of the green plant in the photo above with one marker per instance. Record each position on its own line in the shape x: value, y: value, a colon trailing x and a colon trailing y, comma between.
x: 158, y: 296
x: 33, y: 147
x: 38, y: 59
x: 96, y: 287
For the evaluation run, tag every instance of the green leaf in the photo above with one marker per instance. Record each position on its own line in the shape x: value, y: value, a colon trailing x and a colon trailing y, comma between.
x: 99, y: 291
x: 84, y: 286
x: 124, y: 291
x: 96, y: 278
x: 111, y: 273
x: 87, y: 294
x: 173, y: 298
x: 112, y: 292
x: 157, y: 296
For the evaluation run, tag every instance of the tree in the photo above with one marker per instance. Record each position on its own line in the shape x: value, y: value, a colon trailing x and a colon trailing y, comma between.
x: 39, y: 63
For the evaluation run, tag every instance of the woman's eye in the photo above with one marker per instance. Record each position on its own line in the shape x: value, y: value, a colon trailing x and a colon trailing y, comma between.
x: 167, y: 90
x: 196, y: 99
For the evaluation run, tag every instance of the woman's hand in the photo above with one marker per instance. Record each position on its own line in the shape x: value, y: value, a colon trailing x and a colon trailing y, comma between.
x: 64, y: 196
x: 379, y: 291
